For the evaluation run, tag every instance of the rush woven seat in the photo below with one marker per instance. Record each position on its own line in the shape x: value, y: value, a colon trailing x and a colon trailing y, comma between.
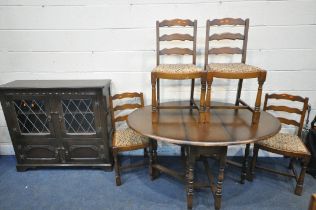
x: 177, y: 68
x: 285, y: 142
x: 128, y: 137
x: 234, y: 68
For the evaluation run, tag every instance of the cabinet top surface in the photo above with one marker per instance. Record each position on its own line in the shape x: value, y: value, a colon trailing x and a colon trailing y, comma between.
x: 55, y: 84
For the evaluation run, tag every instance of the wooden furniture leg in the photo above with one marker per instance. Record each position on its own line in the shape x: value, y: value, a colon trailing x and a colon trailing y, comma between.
x: 300, y: 181
x: 218, y: 193
x: 190, y: 175
x: 150, y: 166
x: 238, y: 92
x: 153, y: 159
x: 145, y: 153
x: 158, y: 91
x: 116, y: 167
x: 256, y: 114
x: 153, y: 92
x: 251, y: 173
x: 183, y: 153
x: 245, y: 165
x: 208, y: 92
x: 192, y: 93
x: 202, y: 100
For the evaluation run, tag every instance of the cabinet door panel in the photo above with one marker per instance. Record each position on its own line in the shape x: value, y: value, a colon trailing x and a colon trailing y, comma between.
x: 79, y: 116
x: 30, y: 116
x: 32, y: 153
x: 91, y: 150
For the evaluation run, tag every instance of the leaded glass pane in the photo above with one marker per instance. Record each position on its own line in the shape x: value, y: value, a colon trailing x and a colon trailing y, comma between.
x: 78, y: 116
x: 31, y: 116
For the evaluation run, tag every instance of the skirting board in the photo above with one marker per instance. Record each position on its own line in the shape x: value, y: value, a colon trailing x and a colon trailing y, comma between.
x: 165, y: 150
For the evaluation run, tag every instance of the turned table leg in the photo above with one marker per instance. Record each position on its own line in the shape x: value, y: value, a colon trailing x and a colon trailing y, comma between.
x: 218, y: 193
x: 190, y: 176
x: 245, y: 165
x: 153, y: 173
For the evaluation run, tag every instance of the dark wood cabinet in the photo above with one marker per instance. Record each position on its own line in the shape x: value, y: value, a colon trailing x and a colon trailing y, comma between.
x: 59, y: 123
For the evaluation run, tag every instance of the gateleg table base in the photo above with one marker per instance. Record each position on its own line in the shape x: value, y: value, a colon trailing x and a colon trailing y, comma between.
x: 193, y: 153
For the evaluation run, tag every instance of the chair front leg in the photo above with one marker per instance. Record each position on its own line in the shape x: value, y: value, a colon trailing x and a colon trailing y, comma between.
x: 116, y: 167
x: 158, y: 91
x: 145, y: 152
x: 153, y: 92
x: 256, y: 114
x: 238, y: 92
x: 300, y: 181
x: 192, y: 93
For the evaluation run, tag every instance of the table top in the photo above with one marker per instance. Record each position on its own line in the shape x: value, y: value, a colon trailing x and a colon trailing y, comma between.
x: 224, y: 127
x: 55, y: 84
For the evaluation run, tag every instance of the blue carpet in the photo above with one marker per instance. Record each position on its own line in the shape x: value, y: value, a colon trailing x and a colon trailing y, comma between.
x: 95, y: 189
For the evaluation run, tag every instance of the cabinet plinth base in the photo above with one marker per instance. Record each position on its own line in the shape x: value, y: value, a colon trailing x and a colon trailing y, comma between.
x: 25, y: 167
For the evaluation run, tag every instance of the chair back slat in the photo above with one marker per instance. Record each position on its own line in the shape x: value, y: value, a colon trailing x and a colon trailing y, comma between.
x: 288, y: 122
x: 284, y: 109
x: 121, y: 118
x: 176, y: 51
x: 125, y: 106
x: 286, y: 97
x: 176, y: 36
x: 230, y: 36
x: 225, y: 50
x: 227, y: 21
x: 126, y: 95
x: 176, y: 22
x: 226, y: 36
x: 288, y: 109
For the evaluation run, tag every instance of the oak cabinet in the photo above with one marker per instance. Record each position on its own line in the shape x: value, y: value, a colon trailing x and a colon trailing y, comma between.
x: 59, y: 123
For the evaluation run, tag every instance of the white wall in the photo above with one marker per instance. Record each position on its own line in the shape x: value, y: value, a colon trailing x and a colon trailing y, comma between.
x: 115, y: 39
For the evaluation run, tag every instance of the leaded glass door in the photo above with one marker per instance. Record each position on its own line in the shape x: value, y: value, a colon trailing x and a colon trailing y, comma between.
x: 79, y: 116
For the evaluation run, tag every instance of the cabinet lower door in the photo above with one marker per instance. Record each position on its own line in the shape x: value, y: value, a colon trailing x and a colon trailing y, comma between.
x: 85, y: 151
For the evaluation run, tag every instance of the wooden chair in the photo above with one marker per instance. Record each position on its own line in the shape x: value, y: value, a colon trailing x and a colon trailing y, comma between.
x: 125, y: 139
x: 285, y: 144
x: 176, y: 71
x: 312, y: 204
x: 238, y: 71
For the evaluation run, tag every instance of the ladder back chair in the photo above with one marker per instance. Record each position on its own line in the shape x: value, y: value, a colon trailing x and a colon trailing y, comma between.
x: 238, y: 71
x: 285, y: 144
x: 176, y: 71
x: 125, y: 139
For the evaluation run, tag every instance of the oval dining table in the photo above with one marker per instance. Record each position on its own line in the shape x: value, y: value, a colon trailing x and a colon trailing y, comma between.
x: 220, y: 129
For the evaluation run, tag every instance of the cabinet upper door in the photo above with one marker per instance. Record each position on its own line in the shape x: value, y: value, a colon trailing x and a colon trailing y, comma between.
x: 30, y: 116
x: 79, y: 116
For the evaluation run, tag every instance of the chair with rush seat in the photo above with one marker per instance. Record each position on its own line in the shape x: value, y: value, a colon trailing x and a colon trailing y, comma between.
x: 283, y: 143
x: 176, y: 71
x: 238, y: 71
x: 125, y: 139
